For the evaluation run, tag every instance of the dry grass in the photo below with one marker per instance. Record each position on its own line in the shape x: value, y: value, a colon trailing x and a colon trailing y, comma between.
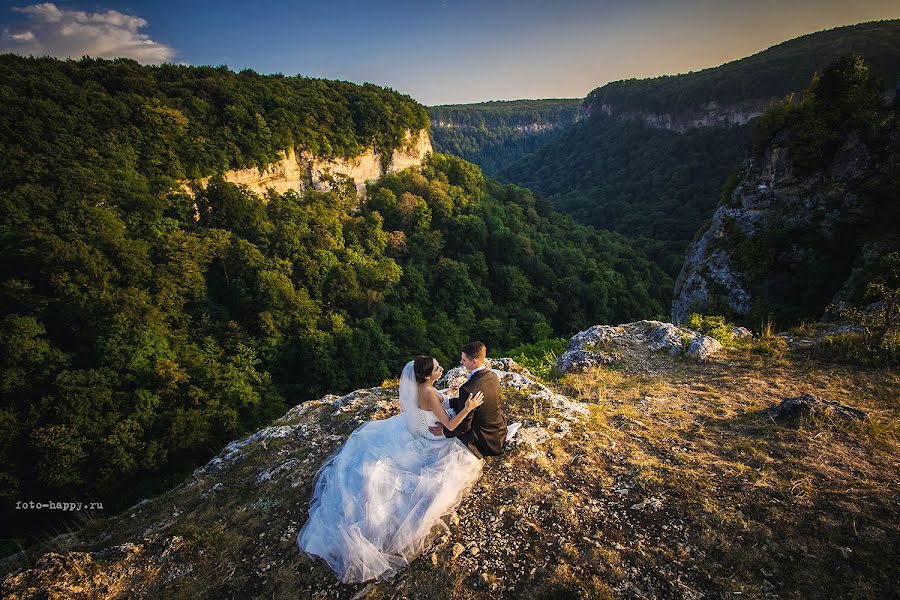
x: 757, y: 492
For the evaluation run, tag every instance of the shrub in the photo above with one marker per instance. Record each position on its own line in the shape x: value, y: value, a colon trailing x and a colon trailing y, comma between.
x: 539, y: 357
x: 879, y: 341
x: 725, y: 197
x: 715, y: 327
x: 857, y: 348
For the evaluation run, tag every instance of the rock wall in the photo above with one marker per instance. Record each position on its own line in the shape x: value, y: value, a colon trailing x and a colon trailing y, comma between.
x: 705, y: 115
x: 301, y: 170
x: 535, y: 127
x: 779, y: 228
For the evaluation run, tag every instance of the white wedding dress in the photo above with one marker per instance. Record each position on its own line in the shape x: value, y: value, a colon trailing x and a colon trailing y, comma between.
x: 378, y: 501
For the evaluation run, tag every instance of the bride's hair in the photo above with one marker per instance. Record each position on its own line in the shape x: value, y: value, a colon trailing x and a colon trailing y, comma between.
x: 422, y: 367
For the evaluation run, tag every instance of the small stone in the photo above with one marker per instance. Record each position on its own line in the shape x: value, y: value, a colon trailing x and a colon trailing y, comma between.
x: 741, y: 333
x: 653, y: 503
x: 457, y: 550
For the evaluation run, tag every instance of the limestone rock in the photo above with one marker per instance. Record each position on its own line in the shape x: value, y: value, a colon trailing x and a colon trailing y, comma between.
x: 531, y: 437
x: 580, y: 360
x: 457, y: 550
x: 666, y: 336
x: 778, y: 223
x: 607, y: 344
x: 301, y: 170
x: 741, y: 333
x: 507, y: 364
x: 807, y: 404
x: 598, y: 334
x: 703, y: 347
x: 704, y: 115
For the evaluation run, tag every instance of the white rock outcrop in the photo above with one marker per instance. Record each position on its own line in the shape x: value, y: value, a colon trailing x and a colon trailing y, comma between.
x: 779, y: 224
x: 604, y: 344
x: 302, y: 170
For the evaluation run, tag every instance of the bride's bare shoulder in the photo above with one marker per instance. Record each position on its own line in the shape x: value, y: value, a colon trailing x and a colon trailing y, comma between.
x: 428, y: 398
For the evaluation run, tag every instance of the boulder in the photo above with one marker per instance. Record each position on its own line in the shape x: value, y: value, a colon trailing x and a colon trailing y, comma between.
x: 703, y: 347
x: 581, y: 360
x: 807, y: 404
x: 666, y: 336
x: 585, y: 347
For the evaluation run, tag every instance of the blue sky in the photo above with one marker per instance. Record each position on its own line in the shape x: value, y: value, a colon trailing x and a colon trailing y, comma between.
x: 438, y: 51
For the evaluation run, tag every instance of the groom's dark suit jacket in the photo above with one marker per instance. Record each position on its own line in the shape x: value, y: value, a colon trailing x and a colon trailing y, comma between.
x: 484, y: 429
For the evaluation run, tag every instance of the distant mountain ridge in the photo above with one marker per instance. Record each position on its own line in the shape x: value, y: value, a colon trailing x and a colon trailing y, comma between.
x: 497, y: 133
x: 737, y: 91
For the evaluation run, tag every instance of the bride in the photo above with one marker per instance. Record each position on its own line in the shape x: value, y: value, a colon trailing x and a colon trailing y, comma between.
x: 377, y: 503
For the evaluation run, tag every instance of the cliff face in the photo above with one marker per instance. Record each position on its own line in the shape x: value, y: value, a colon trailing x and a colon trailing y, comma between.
x: 534, y: 127
x: 787, y: 243
x: 301, y: 170
x: 705, y: 115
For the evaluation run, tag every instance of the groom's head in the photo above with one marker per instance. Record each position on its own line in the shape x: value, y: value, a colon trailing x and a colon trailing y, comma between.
x: 472, y: 355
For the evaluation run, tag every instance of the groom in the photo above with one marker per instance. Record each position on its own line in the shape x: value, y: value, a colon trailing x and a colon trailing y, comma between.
x: 484, y: 429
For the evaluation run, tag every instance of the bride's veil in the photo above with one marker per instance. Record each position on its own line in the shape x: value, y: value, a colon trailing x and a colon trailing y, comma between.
x: 409, y: 401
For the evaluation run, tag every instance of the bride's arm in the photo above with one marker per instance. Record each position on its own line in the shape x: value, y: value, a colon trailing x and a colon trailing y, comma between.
x: 441, y: 413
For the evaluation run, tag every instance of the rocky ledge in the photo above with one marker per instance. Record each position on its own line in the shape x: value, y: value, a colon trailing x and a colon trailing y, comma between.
x: 606, y: 344
x: 238, y: 515
x: 653, y: 475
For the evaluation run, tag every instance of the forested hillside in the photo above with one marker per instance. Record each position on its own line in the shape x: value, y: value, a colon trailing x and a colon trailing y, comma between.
x: 659, y: 186
x: 772, y: 73
x: 496, y: 134
x: 636, y: 180
x: 143, y: 328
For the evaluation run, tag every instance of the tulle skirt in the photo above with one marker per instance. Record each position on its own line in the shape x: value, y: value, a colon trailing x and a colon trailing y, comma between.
x: 377, y: 502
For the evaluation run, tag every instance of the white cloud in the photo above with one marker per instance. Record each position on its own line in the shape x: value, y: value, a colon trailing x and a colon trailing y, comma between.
x: 74, y: 33
x: 25, y: 36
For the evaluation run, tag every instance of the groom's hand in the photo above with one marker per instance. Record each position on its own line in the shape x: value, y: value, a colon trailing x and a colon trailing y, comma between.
x: 436, y: 430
